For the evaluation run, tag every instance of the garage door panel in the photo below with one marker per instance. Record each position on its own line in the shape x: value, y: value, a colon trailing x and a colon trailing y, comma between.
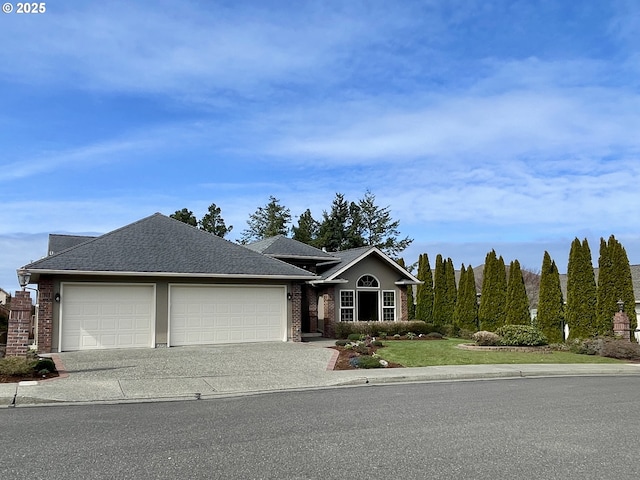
x: 225, y: 314
x: 107, y: 316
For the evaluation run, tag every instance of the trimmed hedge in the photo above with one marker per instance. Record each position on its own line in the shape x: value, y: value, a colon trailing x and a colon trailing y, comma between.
x: 344, y: 329
x: 521, y: 335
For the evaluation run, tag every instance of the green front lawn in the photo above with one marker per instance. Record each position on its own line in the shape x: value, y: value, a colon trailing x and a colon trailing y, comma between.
x: 427, y: 353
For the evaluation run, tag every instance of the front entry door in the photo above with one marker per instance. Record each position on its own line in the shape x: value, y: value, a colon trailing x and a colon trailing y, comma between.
x: 367, y: 306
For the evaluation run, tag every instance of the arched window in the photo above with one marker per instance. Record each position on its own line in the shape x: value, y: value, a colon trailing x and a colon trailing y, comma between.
x: 368, y: 281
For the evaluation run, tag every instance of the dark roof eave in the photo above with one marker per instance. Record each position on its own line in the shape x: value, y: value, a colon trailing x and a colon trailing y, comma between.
x: 35, y: 274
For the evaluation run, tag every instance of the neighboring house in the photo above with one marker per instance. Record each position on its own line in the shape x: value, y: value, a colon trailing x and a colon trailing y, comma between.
x: 159, y: 282
x: 5, y: 300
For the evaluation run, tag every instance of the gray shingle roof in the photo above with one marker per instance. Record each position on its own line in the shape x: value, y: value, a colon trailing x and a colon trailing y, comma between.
x: 280, y: 246
x: 159, y: 244
x: 349, y: 257
x: 59, y: 243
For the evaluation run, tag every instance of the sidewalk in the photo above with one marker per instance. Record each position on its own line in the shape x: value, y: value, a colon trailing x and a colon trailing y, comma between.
x: 163, y: 374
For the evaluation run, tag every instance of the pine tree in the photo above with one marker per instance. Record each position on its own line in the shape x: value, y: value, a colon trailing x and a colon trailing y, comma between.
x: 493, y: 301
x: 466, y: 311
x: 307, y: 229
x: 550, y: 305
x: 185, y: 216
x: 424, y: 293
x: 213, y: 222
x: 268, y: 221
x: 581, y: 292
x: 517, y: 300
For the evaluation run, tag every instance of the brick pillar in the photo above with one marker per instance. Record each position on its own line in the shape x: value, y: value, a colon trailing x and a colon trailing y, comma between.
x: 621, y: 326
x: 404, y: 306
x: 45, y: 314
x: 19, y: 324
x: 312, y: 300
x: 296, y: 312
x: 329, y: 313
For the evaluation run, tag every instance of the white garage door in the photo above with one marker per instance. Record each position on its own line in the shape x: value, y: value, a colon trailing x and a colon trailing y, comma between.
x: 205, y: 315
x: 107, y: 316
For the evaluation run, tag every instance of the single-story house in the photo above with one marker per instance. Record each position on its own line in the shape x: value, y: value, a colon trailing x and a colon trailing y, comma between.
x: 161, y: 282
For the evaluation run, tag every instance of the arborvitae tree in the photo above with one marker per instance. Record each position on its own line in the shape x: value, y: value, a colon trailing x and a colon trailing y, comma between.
x: 213, y: 222
x: 411, y: 308
x: 307, y: 229
x: 466, y: 311
x: 424, y: 294
x: 451, y: 292
x: 550, y: 305
x: 614, y: 284
x: 185, y: 216
x: 439, y: 292
x: 518, y: 312
x: 581, y: 292
x: 493, y: 301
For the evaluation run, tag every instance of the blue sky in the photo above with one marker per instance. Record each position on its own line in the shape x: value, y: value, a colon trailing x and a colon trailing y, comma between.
x: 511, y: 125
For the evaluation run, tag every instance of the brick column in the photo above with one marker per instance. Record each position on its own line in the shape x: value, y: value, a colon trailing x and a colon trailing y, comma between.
x: 329, y: 313
x: 621, y: 326
x: 296, y: 312
x: 45, y: 314
x: 19, y: 324
x: 404, y: 305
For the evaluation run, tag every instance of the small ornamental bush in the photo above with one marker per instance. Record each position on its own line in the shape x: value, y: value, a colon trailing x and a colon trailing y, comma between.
x: 486, y: 339
x: 377, y: 343
x: 521, y: 335
x: 45, y: 364
x: 367, y: 361
x: 17, y: 366
x: 341, y: 343
x: 621, y: 349
x: 411, y: 335
x: 355, y: 337
x: 434, y: 336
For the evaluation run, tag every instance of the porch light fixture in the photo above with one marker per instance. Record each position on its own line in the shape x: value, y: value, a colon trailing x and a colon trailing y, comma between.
x: 620, y: 305
x: 57, y: 297
x: 288, y: 295
x: 23, y: 278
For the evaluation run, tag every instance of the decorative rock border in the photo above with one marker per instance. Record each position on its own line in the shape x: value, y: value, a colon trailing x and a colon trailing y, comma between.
x: 472, y: 346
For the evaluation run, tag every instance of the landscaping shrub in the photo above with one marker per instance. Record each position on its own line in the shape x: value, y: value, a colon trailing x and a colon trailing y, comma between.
x: 486, y: 339
x: 355, y: 337
x: 521, y: 335
x: 377, y: 343
x: 589, y: 346
x: 468, y: 334
x: 341, y: 343
x: 434, y: 336
x: 367, y: 361
x: 44, y: 365
x: 620, y: 349
x: 389, y: 329
x: 16, y: 366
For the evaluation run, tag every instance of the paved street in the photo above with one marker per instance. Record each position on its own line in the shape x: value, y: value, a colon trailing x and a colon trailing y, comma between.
x: 569, y: 428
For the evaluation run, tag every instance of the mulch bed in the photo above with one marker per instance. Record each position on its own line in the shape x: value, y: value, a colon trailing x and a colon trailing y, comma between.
x: 20, y: 378
x: 345, y: 355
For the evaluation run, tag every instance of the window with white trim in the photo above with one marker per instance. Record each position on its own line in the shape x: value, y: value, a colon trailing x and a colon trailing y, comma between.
x: 368, y: 281
x: 389, y: 306
x: 347, y: 305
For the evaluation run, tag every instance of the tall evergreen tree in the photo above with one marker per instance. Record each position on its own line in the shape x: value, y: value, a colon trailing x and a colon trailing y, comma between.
x: 336, y: 226
x: 307, y: 229
x: 550, y: 304
x: 424, y: 292
x: 378, y: 228
x: 466, y: 311
x: 439, y: 292
x: 268, y: 221
x: 493, y: 301
x: 411, y: 308
x: 581, y: 292
x: 518, y: 312
x: 614, y: 284
x: 213, y: 222
x: 451, y: 292
x: 185, y: 216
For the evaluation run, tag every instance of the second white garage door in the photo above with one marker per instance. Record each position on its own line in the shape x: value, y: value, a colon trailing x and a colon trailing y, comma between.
x: 202, y: 315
